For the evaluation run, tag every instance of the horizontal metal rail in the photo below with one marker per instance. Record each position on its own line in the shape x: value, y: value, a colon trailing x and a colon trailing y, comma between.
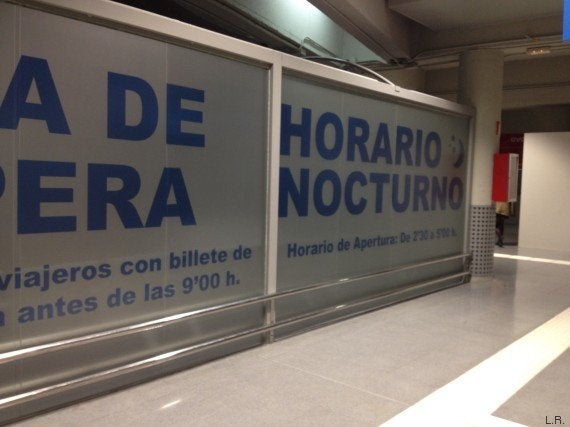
x: 187, y: 351
x: 169, y: 320
x: 11, y: 356
x: 362, y: 68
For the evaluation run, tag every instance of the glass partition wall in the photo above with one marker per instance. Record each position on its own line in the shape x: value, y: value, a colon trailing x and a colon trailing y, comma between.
x: 170, y: 195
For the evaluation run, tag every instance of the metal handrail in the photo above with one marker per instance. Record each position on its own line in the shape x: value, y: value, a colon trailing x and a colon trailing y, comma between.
x: 367, y: 70
x: 11, y: 356
x: 187, y: 351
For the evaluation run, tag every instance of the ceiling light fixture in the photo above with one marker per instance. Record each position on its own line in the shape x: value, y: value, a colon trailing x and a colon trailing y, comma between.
x: 535, y: 51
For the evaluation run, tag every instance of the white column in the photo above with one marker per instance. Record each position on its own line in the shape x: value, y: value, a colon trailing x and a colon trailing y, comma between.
x: 481, y: 86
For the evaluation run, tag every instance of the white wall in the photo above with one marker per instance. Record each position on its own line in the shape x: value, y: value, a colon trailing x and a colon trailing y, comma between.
x: 545, y: 192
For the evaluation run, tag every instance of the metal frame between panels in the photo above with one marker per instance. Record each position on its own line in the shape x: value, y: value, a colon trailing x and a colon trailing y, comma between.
x: 127, y: 19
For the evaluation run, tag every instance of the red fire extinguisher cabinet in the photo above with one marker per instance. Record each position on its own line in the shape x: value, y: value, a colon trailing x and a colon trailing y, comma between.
x: 505, y: 177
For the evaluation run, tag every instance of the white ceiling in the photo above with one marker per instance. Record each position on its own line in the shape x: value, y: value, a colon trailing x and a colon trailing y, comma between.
x: 440, y: 15
x: 433, y: 32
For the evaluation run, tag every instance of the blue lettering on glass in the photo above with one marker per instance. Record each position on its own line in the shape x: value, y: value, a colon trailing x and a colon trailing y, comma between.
x: 400, y: 206
x: 382, y: 147
x: 421, y: 188
x: 358, y: 133
x: 329, y: 137
x: 2, y: 182
x: 98, y: 196
x: 432, y: 157
x: 30, y: 192
x: 351, y: 206
x: 301, y: 130
x: 404, y: 141
x: 321, y: 206
x: 15, y: 106
x: 379, y: 179
x: 416, y: 192
x: 330, y: 189
x: 171, y: 179
x: 455, y: 193
x: 419, y: 140
x: 322, y: 124
x: 176, y: 115
x: 31, y: 195
x: 299, y: 195
x: 117, y: 127
x: 438, y: 193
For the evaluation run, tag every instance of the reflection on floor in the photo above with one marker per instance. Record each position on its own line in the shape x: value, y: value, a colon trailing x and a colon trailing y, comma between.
x: 367, y: 370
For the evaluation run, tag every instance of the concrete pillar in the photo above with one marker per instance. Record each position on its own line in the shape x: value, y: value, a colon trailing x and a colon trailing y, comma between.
x: 481, y: 86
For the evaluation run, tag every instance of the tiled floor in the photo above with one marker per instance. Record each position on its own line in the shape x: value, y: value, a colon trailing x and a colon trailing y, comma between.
x: 364, y: 371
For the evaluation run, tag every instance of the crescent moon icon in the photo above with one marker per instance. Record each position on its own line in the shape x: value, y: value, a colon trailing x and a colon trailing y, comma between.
x: 461, y: 155
x: 2, y: 182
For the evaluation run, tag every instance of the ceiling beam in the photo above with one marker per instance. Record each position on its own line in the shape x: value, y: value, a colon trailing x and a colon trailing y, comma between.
x: 382, y: 30
x: 508, y: 36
